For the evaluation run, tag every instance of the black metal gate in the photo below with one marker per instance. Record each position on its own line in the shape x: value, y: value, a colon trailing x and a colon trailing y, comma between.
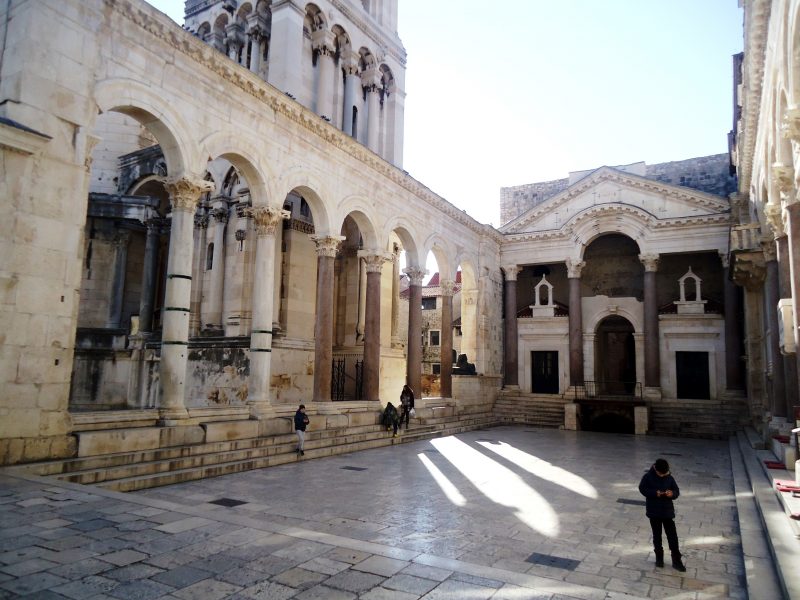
x: 359, y: 379
x: 337, y: 380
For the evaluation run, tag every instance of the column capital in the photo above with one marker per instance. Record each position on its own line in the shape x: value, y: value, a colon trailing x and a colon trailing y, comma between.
x: 448, y: 287
x: 373, y: 260
x: 790, y: 123
x: 370, y: 79
x: 200, y: 220
x: 323, y: 41
x: 349, y: 62
x: 773, y: 215
x: 749, y: 270
x: 266, y: 218
x: 184, y: 192
x: 327, y: 245
x: 416, y: 275
x: 574, y: 267
x: 220, y: 214
x: 650, y: 261
x: 783, y: 176
x: 234, y: 35
x: 511, y: 272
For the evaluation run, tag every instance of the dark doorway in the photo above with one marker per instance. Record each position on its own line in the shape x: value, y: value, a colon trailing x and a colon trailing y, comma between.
x: 691, y: 370
x: 545, y: 372
x: 615, y: 356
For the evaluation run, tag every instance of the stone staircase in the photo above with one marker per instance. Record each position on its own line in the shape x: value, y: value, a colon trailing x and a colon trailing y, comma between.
x: 539, y: 410
x: 142, y: 469
x: 698, y: 418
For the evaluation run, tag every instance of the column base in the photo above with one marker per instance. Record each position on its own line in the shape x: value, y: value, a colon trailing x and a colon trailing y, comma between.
x: 652, y: 393
x: 170, y: 417
x: 261, y: 410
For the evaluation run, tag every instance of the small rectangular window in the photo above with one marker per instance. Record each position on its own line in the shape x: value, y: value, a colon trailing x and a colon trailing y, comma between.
x: 429, y: 303
x: 433, y: 337
x: 436, y: 369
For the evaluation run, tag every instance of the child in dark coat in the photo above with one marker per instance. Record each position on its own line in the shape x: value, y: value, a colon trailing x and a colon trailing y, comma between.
x: 660, y: 489
x: 390, y: 417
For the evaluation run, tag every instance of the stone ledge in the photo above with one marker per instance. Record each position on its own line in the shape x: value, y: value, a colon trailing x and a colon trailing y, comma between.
x: 224, y: 431
x: 22, y: 450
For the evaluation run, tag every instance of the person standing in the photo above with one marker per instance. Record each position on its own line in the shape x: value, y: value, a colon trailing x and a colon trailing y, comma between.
x: 660, y: 489
x: 300, y: 423
x: 407, y: 404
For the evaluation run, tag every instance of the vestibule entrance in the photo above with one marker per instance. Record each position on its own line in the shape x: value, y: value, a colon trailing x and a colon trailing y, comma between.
x: 615, y: 356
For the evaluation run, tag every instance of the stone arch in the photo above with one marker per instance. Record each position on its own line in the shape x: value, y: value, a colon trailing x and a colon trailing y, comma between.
x: 314, y: 19
x: 404, y: 231
x: 793, y: 54
x: 243, y: 155
x: 591, y: 325
x: 590, y: 224
x: 442, y: 253
x: 313, y: 191
x: 140, y: 102
x: 358, y: 209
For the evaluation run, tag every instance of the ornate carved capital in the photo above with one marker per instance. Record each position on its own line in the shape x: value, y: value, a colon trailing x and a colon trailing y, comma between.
x: 220, y: 214
x: 416, y: 275
x: 448, y: 287
x: 184, y: 193
x: 373, y: 262
x: 511, y: 272
x: 266, y: 219
x: 784, y: 178
x: 773, y: 215
x: 200, y: 220
x: 327, y: 245
x: 790, y: 124
x: 749, y: 271
x: 574, y: 268
x: 650, y: 262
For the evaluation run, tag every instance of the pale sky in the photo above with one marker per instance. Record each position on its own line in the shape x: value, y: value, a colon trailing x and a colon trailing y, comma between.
x: 519, y: 91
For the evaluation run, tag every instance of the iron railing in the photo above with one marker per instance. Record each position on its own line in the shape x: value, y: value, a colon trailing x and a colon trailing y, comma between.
x: 609, y: 390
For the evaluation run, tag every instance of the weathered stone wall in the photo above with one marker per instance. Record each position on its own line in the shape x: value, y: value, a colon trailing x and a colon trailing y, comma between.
x: 520, y: 198
x: 118, y: 135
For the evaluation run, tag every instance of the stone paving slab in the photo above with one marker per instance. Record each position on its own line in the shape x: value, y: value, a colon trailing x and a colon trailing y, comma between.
x: 454, y: 517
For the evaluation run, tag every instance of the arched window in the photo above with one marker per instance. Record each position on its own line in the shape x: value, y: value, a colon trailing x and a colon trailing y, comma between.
x: 210, y: 256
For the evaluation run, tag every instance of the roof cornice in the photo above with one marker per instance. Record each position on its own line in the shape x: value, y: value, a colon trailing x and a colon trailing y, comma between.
x: 756, y: 27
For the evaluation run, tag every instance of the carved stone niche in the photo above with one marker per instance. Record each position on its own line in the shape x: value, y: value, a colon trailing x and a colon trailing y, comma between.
x: 690, y: 307
x: 540, y: 308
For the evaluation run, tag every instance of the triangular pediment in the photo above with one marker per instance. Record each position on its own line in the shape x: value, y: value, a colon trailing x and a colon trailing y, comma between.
x: 608, y: 189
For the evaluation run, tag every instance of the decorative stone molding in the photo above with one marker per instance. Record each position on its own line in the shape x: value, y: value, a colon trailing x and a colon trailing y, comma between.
x: 184, y: 193
x: 574, y: 268
x: 773, y: 215
x: 220, y: 215
x: 266, y: 219
x: 327, y: 245
x: 323, y: 42
x: 784, y: 177
x: 650, y: 262
x: 416, y: 275
x: 511, y: 272
x: 448, y: 287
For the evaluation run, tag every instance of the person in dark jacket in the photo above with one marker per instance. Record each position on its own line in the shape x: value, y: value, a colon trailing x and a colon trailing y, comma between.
x: 300, y: 423
x: 389, y: 418
x: 407, y: 403
x: 660, y: 489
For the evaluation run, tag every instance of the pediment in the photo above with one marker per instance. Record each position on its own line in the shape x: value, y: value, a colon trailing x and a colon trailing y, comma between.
x: 607, y: 191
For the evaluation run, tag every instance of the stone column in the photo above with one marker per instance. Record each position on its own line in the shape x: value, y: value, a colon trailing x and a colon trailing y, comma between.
x: 235, y: 40
x: 184, y: 194
x: 213, y: 319
x: 323, y: 45
x: 733, y: 329
x: 791, y: 223
x: 414, y: 359
x: 120, y: 243
x: 369, y: 80
x: 574, y: 268
x: 652, y: 358
x: 372, y: 329
x: 446, y: 355
x: 791, y: 382
x: 286, y: 46
x: 323, y: 327
x: 266, y: 220
x: 395, y: 338
x: 351, y: 81
x: 150, y: 267
x: 255, y: 50
x: 198, y: 268
x: 362, y: 300
x: 774, y: 366
x: 749, y: 272
x: 510, y: 364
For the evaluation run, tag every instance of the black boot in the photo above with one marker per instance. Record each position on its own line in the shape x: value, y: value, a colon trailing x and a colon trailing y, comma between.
x: 677, y: 563
x: 659, y: 558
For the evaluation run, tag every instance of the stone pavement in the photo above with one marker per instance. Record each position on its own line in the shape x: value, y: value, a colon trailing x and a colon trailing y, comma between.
x: 502, y: 513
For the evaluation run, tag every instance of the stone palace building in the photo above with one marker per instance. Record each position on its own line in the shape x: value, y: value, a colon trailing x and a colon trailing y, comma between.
x: 208, y: 225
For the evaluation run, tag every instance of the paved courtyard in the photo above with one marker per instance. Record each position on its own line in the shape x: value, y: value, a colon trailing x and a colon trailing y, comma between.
x: 503, y: 513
